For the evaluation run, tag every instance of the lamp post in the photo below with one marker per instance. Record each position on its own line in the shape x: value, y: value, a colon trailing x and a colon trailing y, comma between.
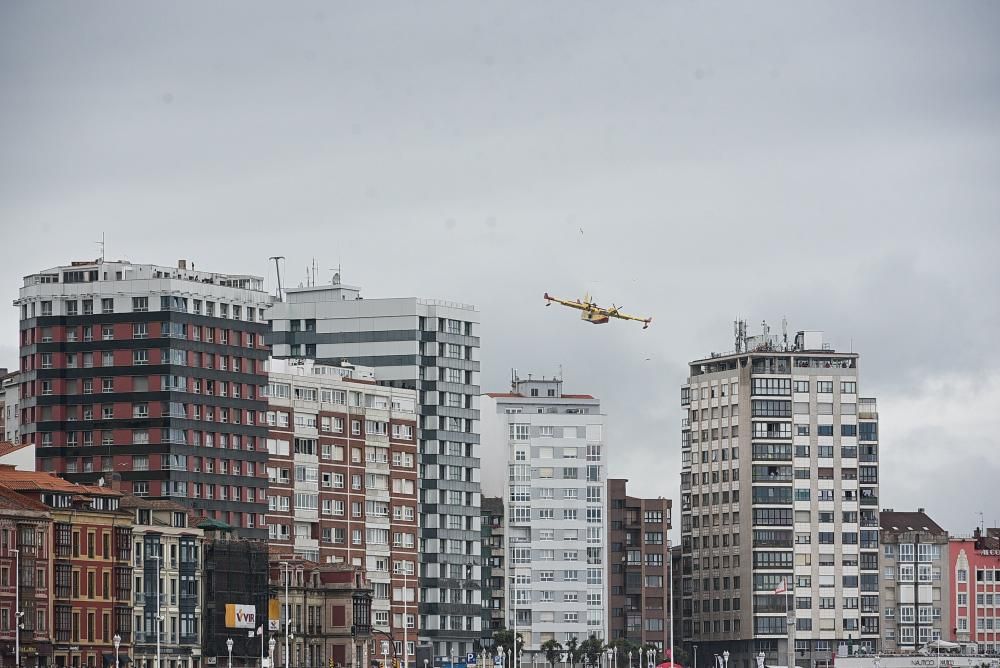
x: 630, y: 659
x: 385, y: 654
x: 117, y: 640
x: 725, y: 659
x: 613, y: 657
x: 156, y: 617
x: 270, y: 655
x: 649, y: 658
x: 287, y: 570
x: 229, y: 648
x: 695, y: 656
x: 17, y: 607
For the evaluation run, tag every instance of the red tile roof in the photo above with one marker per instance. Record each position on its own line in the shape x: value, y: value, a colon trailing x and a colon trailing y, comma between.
x: 500, y: 395
x: 11, y: 499
x: 33, y: 481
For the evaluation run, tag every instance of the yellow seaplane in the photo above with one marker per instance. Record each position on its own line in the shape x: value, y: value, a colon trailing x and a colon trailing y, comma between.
x: 593, y: 313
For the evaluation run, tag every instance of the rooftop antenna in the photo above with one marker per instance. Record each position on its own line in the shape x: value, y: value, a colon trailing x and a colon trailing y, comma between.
x: 277, y: 270
x: 100, y: 244
x: 982, y: 524
x: 784, y: 332
x: 336, y: 275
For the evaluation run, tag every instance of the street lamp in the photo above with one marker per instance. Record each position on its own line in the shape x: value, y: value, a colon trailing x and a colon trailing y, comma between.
x: 649, y: 657
x: 270, y: 655
x: 760, y: 659
x: 229, y: 648
x: 157, y: 618
x: 725, y: 659
x: 612, y: 657
x: 117, y: 640
x: 695, y: 656
x: 17, y: 607
x: 630, y: 659
x: 287, y: 570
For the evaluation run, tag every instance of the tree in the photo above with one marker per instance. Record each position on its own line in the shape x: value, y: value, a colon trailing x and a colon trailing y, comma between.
x: 553, y: 651
x: 574, y: 651
x: 592, y: 649
x: 680, y: 656
x: 624, y: 646
x: 657, y: 655
x: 503, y: 640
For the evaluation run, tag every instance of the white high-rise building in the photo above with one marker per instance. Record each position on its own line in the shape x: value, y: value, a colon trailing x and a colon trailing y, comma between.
x: 556, y: 495
x: 432, y: 347
x: 779, y: 489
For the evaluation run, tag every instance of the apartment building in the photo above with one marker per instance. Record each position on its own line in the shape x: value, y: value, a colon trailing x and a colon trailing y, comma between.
x: 168, y: 576
x: 779, y: 484
x: 493, y: 588
x: 330, y: 613
x: 25, y: 577
x: 432, y: 347
x: 915, y: 587
x: 151, y: 373
x: 974, y: 575
x: 640, y: 570
x: 342, y: 471
x: 555, y: 524
x: 91, y: 577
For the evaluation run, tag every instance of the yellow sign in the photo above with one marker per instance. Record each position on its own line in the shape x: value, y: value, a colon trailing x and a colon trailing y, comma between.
x: 241, y: 616
x: 273, y: 615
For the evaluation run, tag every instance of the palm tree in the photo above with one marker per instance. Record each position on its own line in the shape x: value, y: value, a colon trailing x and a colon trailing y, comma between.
x: 553, y: 649
x: 574, y: 651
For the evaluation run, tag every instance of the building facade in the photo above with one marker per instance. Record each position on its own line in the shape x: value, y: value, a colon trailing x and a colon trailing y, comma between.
x: 151, y: 373
x: 779, y: 484
x: 556, y: 529
x: 235, y: 572
x: 9, y: 395
x: 25, y: 576
x: 329, y: 610
x: 91, y: 550
x: 432, y: 347
x: 493, y: 588
x: 974, y: 575
x: 640, y: 570
x: 915, y: 589
x: 343, y: 476
x: 168, y: 576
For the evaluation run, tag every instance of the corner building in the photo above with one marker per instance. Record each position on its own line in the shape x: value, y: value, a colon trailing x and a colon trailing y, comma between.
x: 432, y: 347
x: 779, y: 483
x: 152, y: 373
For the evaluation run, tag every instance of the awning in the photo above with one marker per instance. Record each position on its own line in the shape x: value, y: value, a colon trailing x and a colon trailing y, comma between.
x: 123, y: 660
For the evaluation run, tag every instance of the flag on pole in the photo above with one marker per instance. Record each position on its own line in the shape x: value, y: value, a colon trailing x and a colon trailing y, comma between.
x: 782, y: 588
x: 260, y: 630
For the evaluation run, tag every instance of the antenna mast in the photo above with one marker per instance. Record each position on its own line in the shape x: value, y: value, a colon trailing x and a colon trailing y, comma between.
x: 100, y: 245
x: 277, y: 270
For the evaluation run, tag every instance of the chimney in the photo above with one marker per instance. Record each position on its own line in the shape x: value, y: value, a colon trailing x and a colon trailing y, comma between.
x: 920, y: 510
x: 977, y: 534
x: 182, y: 264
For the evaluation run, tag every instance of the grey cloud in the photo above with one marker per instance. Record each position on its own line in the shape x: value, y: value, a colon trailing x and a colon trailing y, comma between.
x: 833, y: 163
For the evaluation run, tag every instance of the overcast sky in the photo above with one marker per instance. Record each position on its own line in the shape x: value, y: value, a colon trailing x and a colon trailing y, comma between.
x: 836, y: 164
